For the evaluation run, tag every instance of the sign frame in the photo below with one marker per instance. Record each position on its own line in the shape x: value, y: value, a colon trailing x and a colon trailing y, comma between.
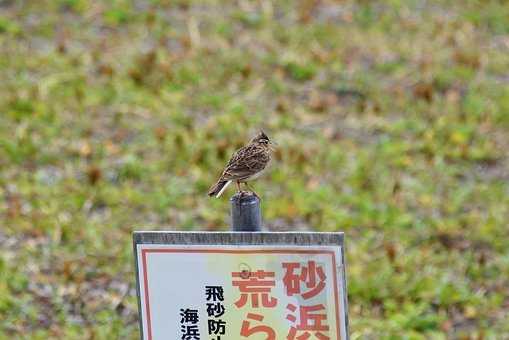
x: 283, y: 239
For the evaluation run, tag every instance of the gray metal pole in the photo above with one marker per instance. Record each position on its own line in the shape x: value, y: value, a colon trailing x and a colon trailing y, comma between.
x: 246, y: 213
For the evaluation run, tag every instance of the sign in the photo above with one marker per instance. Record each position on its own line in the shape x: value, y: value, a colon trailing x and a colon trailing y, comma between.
x: 231, y: 286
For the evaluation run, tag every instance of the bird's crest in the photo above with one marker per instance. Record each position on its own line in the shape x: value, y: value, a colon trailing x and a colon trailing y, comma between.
x: 261, y: 137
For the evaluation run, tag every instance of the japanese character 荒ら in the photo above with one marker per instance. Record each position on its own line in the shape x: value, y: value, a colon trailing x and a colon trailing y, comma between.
x: 257, y: 285
x: 246, y: 330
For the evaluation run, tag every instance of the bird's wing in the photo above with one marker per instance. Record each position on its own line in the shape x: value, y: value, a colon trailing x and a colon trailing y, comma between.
x: 245, y: 162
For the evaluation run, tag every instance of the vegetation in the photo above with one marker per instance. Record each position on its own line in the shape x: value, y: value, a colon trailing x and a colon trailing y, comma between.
x: 392, y: 120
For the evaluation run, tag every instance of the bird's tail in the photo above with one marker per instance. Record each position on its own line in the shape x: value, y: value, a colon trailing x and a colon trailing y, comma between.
x: 218, y: 188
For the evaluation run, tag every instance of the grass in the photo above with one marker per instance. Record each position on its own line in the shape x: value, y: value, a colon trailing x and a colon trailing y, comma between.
x: 392, y: 120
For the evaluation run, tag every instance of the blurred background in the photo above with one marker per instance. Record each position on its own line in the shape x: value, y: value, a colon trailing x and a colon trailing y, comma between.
x: 392, y: 119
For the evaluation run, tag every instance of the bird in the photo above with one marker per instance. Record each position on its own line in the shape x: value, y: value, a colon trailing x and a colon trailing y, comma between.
x: 246, y: 164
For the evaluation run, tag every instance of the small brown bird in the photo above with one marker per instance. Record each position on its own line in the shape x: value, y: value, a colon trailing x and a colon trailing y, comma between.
x: 246, y: 164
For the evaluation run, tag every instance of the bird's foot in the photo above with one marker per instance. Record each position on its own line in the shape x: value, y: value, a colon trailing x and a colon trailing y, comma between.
x: 253, y: 193
x: 247, y: 193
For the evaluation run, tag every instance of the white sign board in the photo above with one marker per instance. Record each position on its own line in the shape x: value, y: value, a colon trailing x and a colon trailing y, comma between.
x: 231, y: 286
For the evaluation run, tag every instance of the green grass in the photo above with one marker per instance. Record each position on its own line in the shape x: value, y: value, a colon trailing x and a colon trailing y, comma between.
x: 392, y: 120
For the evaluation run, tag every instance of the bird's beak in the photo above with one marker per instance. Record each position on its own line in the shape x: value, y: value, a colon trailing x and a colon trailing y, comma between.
x: 273, y: 145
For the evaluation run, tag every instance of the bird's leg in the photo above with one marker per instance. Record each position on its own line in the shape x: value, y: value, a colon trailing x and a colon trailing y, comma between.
x: 239, y: 189
x: 250, y: 188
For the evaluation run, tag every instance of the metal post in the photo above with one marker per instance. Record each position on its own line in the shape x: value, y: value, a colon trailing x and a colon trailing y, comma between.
x: 246, y: 213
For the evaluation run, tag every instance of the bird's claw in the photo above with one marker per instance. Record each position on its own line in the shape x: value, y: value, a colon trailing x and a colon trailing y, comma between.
x: 247, y: 193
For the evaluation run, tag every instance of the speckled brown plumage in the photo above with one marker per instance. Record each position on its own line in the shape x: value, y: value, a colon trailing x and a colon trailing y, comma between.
x: 245, y: 164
